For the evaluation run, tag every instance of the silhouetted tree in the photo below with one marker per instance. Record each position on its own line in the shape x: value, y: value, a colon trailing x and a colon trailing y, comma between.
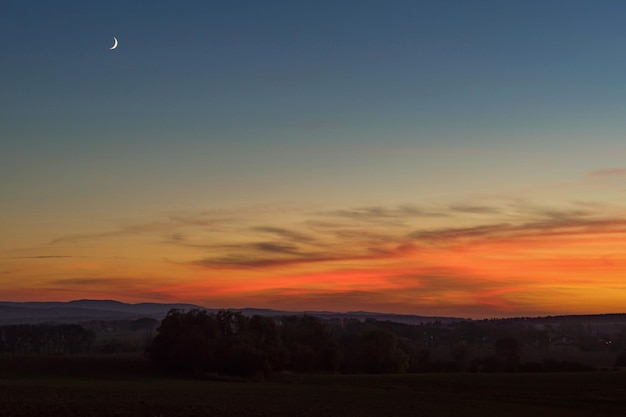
x: 249, y: 345
x: 186, y: 341
x: 509, y: 350
x: 382, y: 353
x: 197, y: 342
x: 460, y: 354
x: 374, y: 351
x: 265, y: 336
x: 309, y: 344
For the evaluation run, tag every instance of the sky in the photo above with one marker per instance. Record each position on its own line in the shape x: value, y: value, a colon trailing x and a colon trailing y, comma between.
x: 457, y: 158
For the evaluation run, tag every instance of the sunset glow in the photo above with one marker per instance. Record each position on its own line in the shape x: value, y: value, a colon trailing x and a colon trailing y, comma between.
x: 431, y: 158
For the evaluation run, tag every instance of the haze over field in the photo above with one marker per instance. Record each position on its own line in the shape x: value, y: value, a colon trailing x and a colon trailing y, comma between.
x: 446, y: 158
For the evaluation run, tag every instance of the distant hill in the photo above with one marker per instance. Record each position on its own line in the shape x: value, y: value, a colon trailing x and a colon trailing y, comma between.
x: 84, y: 310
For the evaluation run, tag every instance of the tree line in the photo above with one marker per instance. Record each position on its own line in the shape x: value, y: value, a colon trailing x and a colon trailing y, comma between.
x: 226, y: 342
x: 229, y: 342
x: 45, y: 339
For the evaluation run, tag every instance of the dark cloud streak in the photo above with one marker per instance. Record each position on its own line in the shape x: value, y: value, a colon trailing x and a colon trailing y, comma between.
x: 285, y: 233
x: 45, y: 257
x: 548, y: 227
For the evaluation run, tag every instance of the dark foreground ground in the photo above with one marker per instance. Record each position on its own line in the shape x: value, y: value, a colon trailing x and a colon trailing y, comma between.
x: 118, y: 386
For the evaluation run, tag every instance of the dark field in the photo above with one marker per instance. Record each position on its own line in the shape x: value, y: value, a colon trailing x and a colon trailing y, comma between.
x: 126, y: 386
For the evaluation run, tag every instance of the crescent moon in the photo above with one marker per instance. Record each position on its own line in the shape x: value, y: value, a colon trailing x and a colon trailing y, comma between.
x: 114, y: 43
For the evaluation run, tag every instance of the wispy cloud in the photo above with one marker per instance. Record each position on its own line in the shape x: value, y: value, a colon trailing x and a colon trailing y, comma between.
x: 128, y: 288
x: 173, y: 224
x: 482, y: 257
x: 448, y: 233
x: 459, y: 254
x: 548, y: 227
x: 435, y: 291
x: 377, y: 233
x: 607, y: 172
x: 273, y: 247
x: 285, y: 233
x: 87, y: 281
x: 234, y: 261
x: 44, y: 257
x: 122, y: 231
x: 474, y: 209
x: 381, y: 214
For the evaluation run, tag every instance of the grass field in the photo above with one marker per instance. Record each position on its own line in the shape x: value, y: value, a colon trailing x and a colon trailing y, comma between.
x: 126, y: 386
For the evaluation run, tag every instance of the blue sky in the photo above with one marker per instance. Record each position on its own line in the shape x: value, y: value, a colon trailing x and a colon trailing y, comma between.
x: 203, y: 66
